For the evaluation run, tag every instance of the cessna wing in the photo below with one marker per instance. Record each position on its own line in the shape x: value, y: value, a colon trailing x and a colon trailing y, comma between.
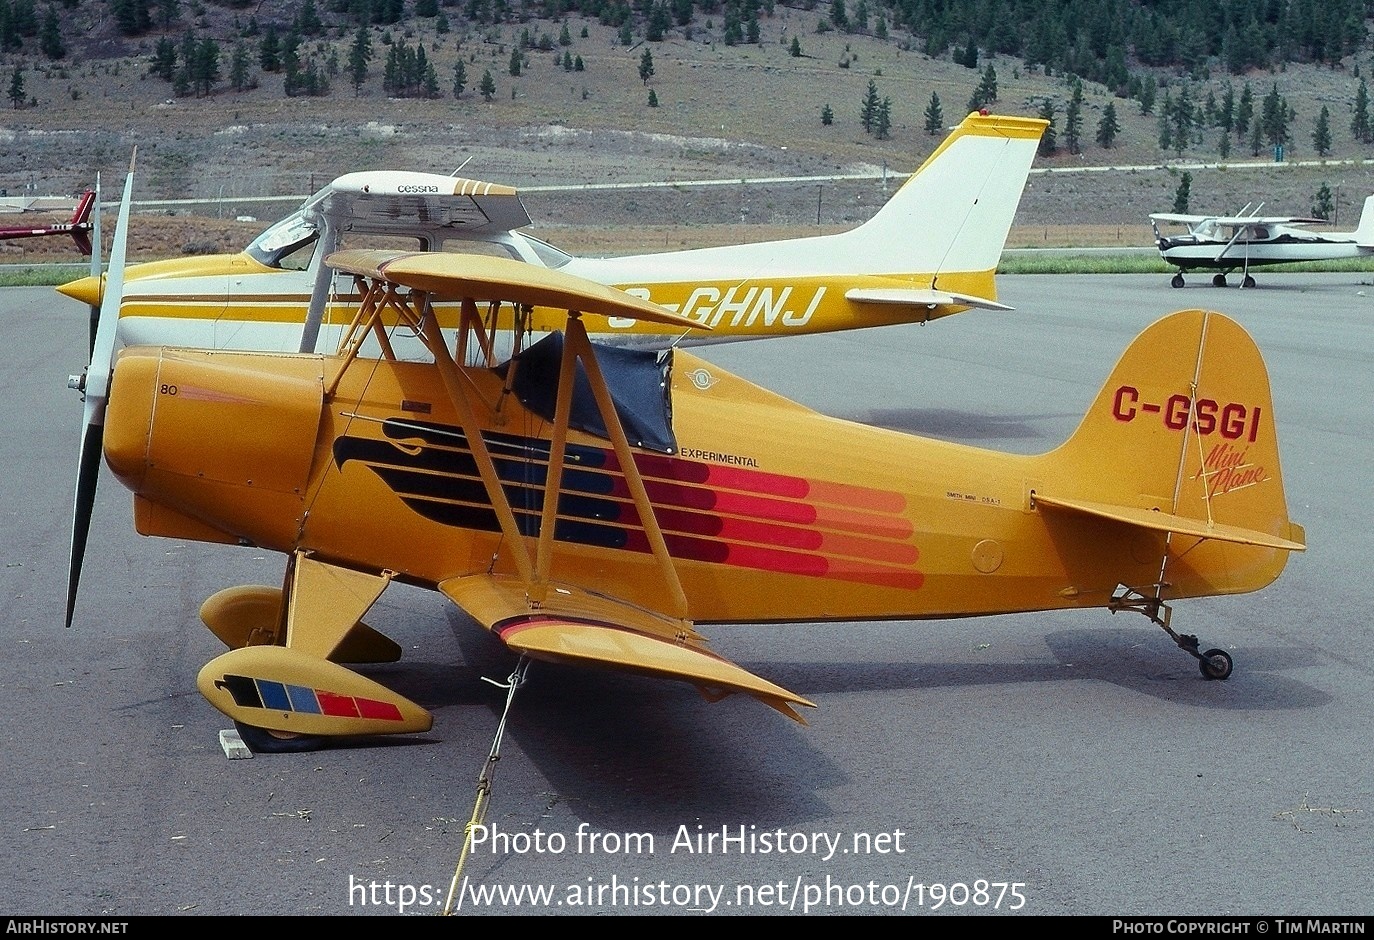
x: 1236, y: 221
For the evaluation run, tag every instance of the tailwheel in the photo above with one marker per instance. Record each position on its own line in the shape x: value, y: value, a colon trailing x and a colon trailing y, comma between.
x: 1177, y: 281
x: 1219, y: 280
x: 267, y: 741
x: 1248, y: 282
x: 1215, y: 664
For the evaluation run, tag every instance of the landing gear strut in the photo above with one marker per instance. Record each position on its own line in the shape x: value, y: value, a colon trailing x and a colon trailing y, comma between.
x: 1213, y: 664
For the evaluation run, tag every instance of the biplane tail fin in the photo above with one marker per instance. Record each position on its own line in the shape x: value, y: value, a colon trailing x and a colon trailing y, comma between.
x: 1181, y: 445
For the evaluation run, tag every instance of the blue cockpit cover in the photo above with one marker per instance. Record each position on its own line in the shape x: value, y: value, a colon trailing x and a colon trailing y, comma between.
x: 637, y: 379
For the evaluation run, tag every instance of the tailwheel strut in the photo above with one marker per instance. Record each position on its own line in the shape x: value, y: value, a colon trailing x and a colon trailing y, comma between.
x: 1213, y: 664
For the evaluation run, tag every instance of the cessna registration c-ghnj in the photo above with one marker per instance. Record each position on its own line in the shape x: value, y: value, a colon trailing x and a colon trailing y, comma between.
x: 598, y: 505
x: 930, y: 251
x: 1240, y: 242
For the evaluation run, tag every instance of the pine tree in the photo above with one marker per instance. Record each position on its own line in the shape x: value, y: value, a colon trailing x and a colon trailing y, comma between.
x: 1360, y: 127
x: 986, y: 92
x: 1185, y: 186
x: 1245, y: 112
x: 488, y: 86
x: 460, y: 79
x: 269, y: 50
x: 205, y: 67
x: 1323, y: 207
x: 1321, y: 134
x: 646, y: 66
x: 1073, y: 120
x: 882, y: 122
x: 870, y: 108
x: 1108, y: 128
x: 1274, y: 118
x: 359, y: 54
x: 935, y: 116
x: 17, y: 87
x: 1049, y: 140
x: 653, y: 99
x: 796, y: 49
x: 50, y: 38
x: 239, y: 77
x: 516, y: 59
x: 827, y: 116
x: 1183, y: 119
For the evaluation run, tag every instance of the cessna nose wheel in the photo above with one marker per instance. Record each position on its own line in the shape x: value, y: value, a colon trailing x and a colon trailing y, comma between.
x: 1177, y: 281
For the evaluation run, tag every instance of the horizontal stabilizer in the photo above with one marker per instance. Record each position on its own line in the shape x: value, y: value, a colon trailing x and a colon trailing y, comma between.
x: 1183, y: 525
x: 920, y: 297
x: 571, y: 625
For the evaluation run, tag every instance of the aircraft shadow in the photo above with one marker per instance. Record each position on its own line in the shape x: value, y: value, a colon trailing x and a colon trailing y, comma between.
x: 1130, y: 659
x: 653, y: 752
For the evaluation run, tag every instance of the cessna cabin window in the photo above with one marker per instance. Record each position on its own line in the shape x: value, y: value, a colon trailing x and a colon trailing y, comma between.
x: 288, y: 245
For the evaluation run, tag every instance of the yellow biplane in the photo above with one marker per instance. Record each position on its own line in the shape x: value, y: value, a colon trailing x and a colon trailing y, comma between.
x: 599, y: 505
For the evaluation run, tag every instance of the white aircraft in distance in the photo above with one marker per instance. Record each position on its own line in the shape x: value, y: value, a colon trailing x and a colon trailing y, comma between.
x: 930, y: 251
x: 1227, y: 243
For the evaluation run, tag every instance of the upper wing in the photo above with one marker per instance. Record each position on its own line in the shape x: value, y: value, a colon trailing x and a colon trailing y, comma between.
x: 573, y: 625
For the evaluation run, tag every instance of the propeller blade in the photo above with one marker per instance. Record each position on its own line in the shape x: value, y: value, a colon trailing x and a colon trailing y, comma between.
x: 96, y: 266
x: 97, y: 387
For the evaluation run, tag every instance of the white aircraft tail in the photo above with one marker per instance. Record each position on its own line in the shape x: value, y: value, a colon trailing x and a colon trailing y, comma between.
x: 955, y: 212
x: 1364, y: 235
x: 951, y: 217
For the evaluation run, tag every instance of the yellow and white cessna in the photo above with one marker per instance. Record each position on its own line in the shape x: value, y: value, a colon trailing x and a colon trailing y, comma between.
x: 932, y: 250
x: 597, y: 505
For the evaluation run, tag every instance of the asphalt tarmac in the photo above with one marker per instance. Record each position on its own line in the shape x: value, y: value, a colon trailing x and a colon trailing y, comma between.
x: 1069, y: 763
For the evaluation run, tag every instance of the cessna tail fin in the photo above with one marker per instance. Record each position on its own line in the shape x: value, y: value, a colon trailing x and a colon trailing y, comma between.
x: 1364, y: 235
x: 1181, y: 445
x: 936, y: 242
x: 955, y: 212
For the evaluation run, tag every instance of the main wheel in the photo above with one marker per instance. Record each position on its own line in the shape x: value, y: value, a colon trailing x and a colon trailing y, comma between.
x: 1248, y: 282
x: 1215, y: 664
x: 265, y: 741
x: 1177, y: 281
x: 1219, y: 280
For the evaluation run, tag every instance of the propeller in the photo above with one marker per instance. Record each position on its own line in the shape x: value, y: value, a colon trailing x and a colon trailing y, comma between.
x: 96, y: 385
